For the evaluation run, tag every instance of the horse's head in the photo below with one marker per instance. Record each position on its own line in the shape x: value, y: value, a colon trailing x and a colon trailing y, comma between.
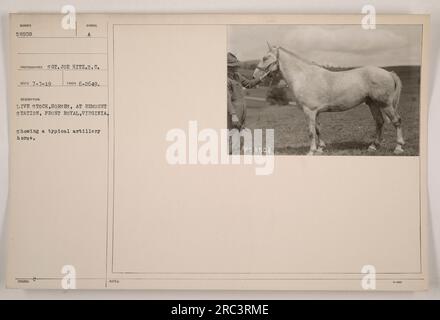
x: 268, y: 64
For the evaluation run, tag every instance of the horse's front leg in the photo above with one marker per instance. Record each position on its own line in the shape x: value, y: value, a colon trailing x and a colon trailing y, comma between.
x: 311, y: 115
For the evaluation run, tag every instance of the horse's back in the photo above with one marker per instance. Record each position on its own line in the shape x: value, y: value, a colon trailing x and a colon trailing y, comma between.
x: 370, y: 74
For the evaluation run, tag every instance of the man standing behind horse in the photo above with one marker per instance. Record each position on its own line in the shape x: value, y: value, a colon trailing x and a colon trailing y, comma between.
x: 236, y: 101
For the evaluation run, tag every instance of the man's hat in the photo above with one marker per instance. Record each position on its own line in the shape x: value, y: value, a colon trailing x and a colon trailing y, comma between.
x: 232, y: 60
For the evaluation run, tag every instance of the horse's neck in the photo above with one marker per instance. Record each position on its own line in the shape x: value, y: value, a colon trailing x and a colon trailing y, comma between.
x: 292, y: 66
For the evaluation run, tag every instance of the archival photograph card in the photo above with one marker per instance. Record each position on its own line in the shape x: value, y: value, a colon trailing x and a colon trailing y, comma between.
x: 212, y: 151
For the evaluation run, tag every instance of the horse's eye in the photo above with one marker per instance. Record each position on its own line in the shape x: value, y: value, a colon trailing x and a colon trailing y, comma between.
x: 264, y: 59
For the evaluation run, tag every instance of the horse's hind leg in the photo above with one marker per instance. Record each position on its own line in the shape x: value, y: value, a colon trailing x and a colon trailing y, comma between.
x: 378, y: 118
x: 397, y: 122
x: 321, y: 143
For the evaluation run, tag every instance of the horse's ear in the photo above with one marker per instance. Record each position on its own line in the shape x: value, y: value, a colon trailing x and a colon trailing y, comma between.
x: 269, y: 46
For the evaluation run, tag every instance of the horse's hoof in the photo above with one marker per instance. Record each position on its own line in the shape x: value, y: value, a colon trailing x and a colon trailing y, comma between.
x: 322, y: 144
x: 372, y: 148
x: 319, y: 151
x: 311, y: 153
x: 398, y: 149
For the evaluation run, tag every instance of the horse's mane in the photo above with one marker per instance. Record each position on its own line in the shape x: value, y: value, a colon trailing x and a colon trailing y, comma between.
x: 300, y: 58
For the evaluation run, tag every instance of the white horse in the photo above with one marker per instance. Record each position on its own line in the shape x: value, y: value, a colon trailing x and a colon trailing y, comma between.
x: 319, y: 90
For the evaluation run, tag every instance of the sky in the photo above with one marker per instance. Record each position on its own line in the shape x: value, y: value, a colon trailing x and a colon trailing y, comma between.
x: 335, y: 45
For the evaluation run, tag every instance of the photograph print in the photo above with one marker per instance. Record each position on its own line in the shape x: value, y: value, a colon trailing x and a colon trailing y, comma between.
x: 327, y: 89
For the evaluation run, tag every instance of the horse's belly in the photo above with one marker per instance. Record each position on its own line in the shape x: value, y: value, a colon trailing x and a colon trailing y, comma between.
x: 338, y: 108
x: 347, y: 93
x: 347, y: 100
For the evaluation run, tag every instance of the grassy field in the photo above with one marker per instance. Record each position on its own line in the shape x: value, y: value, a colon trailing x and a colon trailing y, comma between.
x: 345, y: 133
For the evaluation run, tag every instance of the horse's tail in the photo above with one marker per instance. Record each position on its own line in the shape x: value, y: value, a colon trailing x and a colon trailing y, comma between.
x: 397, y: 90
x: 396, y: 96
